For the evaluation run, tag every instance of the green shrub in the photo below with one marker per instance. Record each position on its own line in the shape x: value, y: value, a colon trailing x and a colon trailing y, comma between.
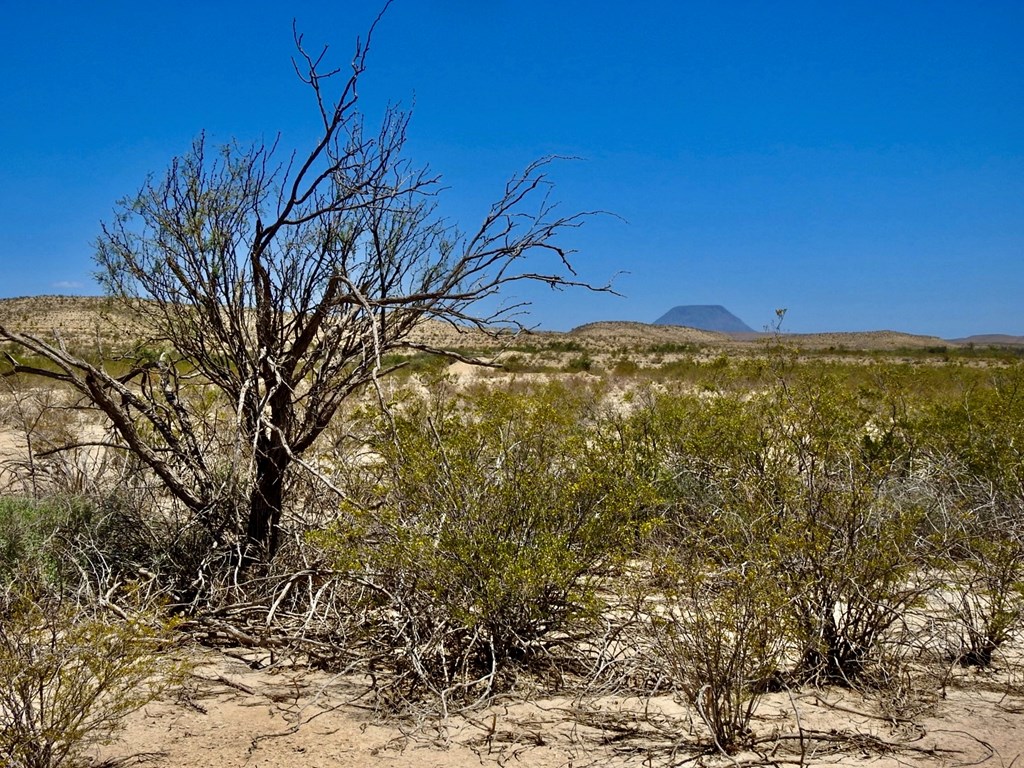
x: 626, y: 368
x: 985, y: 594
x: 848, y: 539
x: 485, y: 533
x: 581, y: 364
x: 697, y: 448
x: 852, y: 566
x: 424, y: 363
x: 29, y: 533
x: 70, y: 673
x: 67, y: 537
x: 981, y: 435
x: 980, y: 556
x: 975, y: 444
x: 793, y: 481
x: 722, y: 634
x: 24, y: 529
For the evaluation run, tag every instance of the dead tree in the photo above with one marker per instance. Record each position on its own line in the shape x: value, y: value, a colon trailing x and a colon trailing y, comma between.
x: 280, y: 285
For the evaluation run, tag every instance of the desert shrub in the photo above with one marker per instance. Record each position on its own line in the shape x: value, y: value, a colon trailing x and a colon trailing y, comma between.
x: 985, y: 594
x: 981, y: 561
x: 671, y: 348
x: 704, y: 443
x: 804, y: 480
x: 626, y: 368
x: 558, y: 345
x: 721, y: 633
x: 982, y: 430
x: 70, y: 672
x: 974, y: 444
x: 580, y: 364
x: 849, y: 542
x: 852, y: 566
x: 848, y: 560
x: 424, y: 363
x: 35, y: 532
x: 484, y: 532
x: 86, y: 544
x: 26, y: 526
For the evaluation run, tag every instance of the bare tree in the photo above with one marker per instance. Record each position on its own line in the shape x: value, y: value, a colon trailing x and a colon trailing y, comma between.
x: 280, y: 284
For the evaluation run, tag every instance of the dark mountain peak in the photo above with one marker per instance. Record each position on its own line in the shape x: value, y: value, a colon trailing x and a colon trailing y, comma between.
x: 707, y: 317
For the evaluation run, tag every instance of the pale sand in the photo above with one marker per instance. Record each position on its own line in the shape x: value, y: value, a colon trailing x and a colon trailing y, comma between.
x: 232, y: 715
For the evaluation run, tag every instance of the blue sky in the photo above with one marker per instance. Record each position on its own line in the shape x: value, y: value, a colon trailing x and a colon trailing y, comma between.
x: 861, y: 164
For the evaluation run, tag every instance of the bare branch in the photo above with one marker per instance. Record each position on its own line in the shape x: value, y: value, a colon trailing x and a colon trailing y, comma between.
x: 271, y: 292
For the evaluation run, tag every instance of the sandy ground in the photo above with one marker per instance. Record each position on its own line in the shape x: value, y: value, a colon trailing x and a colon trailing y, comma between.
x: 232, y: 715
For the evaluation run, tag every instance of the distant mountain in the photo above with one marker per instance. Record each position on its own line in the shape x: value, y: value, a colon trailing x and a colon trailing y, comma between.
x: 707, y: 317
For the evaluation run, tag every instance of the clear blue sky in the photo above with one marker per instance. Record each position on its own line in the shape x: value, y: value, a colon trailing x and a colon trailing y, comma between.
x: 861, y: 164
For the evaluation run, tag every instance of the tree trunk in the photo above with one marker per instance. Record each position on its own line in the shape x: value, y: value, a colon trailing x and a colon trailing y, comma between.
x: 267, y: 498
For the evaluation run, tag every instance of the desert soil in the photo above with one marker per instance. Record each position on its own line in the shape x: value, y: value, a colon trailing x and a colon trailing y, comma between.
x: 232, y: 715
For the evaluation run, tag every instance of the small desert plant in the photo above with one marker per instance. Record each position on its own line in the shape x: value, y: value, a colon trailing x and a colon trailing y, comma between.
x: 983, y: 432
x: 852, y: 570
x: 25, y: 529
x: 848, y: 541
x: 803, y: 480
x: 625, y: 368
x: 695, y: 449
x: 34, y: 532
x: 981, y: 561
x: 988, y: 602
x: 70, y: 672
x: 68, y: 539
x: 583, y: 363
x: 974, y: 444
x: 722, y: 634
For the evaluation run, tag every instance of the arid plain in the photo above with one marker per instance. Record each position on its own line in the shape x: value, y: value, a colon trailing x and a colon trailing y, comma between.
x: 246, y: 705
